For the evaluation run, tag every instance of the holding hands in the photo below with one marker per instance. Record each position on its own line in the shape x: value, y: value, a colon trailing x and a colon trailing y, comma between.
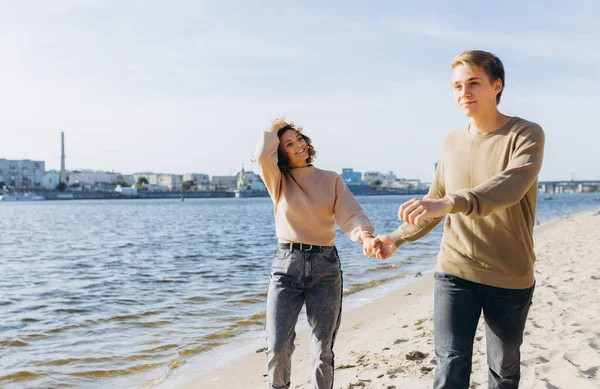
x: 381, y: 247
x: 412, y: 212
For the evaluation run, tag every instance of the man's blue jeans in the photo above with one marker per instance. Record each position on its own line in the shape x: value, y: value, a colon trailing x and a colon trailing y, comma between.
x: 298, y: 276
x: 457, y: 307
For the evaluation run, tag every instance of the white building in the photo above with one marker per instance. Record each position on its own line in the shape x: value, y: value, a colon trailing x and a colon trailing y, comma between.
x: 161, y: 182
x: 130, y: 179
x: 370, y: 176
x: 197, y: 178
x: 23, y: 174
x: 246, y: 179
x: 137, y: 176
x: 206, y: 187
x: 390, y: 177
x: 171, y: 181
x: 92, y: 177
x: 228, y: 181
x: 413, y: 183
x: 153, y: 178
x: 51, y: 179
x: 409, y: 184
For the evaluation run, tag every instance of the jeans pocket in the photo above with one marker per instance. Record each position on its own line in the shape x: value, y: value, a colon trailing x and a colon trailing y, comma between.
x: 280, y: 259
x: 331, y: 255
x: 281, y: 253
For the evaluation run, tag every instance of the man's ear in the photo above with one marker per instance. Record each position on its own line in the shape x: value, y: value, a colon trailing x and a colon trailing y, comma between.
x: 498, y: 85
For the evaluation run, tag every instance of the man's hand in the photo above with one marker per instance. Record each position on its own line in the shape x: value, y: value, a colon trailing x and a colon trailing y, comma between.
x: 383, y: 247
x: 415, y: 210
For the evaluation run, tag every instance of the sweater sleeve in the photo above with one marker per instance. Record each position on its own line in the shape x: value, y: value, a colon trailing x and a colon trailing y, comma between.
x: 348, y: 213
x: 510, y: 185
x: 266, y: 159
x: 409, y: 233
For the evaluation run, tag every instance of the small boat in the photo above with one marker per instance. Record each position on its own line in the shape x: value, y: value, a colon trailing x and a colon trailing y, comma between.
x: 22, y: 197
x: 242, y: 193
x: 64, y: 196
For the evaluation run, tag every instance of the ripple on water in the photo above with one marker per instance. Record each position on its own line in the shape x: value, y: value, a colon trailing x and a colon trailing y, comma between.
x: 13, y: 343
x: 382, y: 268
x: 70, y: 310
x: 197, y: 299
x: 22, y: 376
x: 72, y: 361
x: 245, y: 301
x: 132, y: 317
x: 198, y: 272
x: 108, y: 373
x: 168, y: 281
x: 29, y: 320
x: 197, y: 349
x: 228, y: 293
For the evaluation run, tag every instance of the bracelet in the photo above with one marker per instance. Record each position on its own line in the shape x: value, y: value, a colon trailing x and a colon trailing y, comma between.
x: 366, y: 235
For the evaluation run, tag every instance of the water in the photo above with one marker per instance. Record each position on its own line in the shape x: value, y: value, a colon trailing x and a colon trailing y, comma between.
x: 121, y: 293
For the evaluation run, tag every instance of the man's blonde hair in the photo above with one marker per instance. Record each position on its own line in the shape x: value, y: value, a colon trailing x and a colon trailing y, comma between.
x: 484, y: 60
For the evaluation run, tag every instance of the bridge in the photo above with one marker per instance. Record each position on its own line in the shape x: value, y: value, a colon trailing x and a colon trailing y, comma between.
x: 568, y: 186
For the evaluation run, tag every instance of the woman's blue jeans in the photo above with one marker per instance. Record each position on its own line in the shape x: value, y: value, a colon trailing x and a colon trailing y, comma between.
x: 299, y: 276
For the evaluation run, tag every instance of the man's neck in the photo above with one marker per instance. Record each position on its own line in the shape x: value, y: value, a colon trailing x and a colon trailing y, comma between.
x: 484, y: 124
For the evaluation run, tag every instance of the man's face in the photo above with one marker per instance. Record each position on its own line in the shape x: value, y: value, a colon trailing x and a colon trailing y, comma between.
x: 473, y: 91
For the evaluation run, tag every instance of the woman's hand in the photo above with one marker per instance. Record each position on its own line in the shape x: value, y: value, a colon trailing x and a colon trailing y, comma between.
x: 368, y: 246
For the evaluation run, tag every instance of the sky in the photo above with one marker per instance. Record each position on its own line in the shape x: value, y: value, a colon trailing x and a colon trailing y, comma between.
x: 188, y: 86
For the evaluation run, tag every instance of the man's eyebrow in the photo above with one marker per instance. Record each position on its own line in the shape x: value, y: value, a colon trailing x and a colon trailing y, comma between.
x: 470, y: 79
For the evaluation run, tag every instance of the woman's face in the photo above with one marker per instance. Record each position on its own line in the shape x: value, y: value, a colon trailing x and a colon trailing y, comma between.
x: 295, y: 148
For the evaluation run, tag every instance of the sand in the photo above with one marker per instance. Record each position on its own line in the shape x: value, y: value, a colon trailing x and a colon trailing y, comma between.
x: 388, y: 343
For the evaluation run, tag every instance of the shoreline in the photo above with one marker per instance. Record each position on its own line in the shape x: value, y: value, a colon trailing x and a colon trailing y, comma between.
x: 245, y: 345
x: 52, y: 195
x: 378, y: 333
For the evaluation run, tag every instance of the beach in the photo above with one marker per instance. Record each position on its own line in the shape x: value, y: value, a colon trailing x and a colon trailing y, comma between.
x: 388, y: 343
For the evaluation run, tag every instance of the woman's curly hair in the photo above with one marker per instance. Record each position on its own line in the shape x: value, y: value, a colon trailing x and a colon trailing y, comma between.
x: 281, y: 126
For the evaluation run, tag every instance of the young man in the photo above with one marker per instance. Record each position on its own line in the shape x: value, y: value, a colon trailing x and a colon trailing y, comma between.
x: 486, y: 182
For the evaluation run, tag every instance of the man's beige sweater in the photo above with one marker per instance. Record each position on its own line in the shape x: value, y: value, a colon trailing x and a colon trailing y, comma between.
x: 492, y: 181
x: 308, y: 201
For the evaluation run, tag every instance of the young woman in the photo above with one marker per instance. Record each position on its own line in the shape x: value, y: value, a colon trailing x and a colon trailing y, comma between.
x: 306, y: 268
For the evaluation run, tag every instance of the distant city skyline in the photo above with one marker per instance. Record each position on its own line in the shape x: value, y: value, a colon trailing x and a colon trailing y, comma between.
x: 153, y: 86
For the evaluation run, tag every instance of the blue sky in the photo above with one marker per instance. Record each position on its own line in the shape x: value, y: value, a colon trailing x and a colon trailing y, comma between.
x: 187, y: 86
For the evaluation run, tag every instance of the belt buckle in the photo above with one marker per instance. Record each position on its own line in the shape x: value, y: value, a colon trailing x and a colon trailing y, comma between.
x: 302, y: 246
